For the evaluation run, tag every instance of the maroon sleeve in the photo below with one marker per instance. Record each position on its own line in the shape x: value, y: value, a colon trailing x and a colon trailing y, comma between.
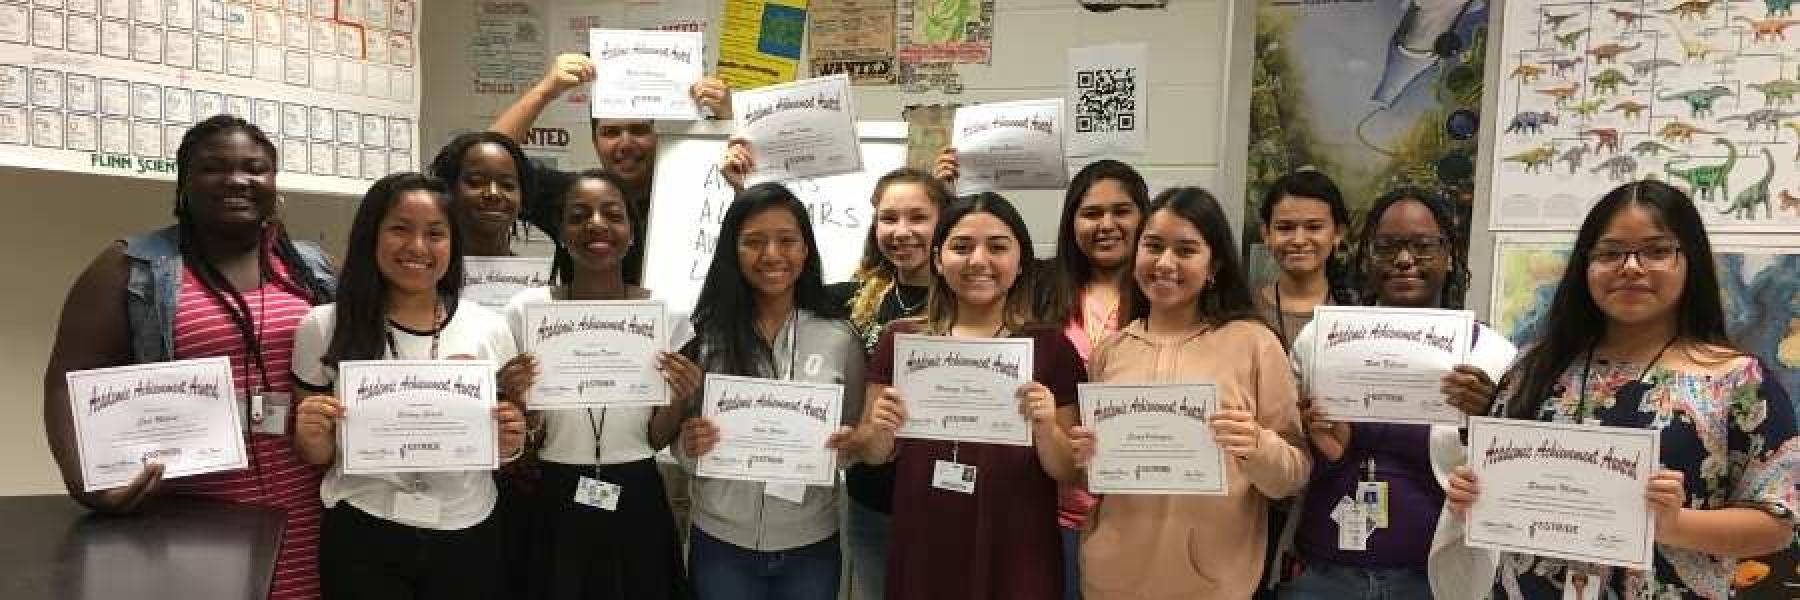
x: 1057, y: 365
x: 880, y: 369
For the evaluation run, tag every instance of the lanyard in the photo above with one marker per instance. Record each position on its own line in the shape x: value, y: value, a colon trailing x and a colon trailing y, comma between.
x: 437, y: 312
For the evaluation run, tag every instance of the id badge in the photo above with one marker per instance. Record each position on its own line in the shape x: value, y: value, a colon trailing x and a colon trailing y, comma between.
x: 791, y: 492
x: 1354, y: 524
x: 598, y: 494
x: 1373, y: 495
x: 267, y: 412
x: 417, y: 508
x: 953, y: 476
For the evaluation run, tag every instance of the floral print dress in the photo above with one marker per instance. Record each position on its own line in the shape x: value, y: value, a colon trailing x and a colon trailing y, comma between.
x: 1732, y: 435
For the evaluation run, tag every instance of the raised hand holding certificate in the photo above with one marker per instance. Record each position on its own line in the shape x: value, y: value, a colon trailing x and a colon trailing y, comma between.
x: 492, y: 280
x: 645, y: 74
x: 806, y: 128
x: 182, y: 414
x: 597, y: 354
x: 1009, y: 145
x: 1153, y: 439
x: 772, y: 430
x: 963, y: 389
x: 1385, y: 365
x: 1574, y: 492
x: 412, y: 416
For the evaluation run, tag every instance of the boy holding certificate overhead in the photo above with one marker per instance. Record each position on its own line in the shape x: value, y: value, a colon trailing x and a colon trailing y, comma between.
x: 427, y: 531
x: 1635, y: 340
x: 975, y: 519
x: 1195, y: 323
x: 763, y: 317
x: 1371, y: 508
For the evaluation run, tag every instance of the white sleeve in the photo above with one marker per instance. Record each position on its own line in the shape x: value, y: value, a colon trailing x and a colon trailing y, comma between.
x: 1300, y: 358
x: 311, y: 337
x: 1492, y: 352
x: 515, y: 318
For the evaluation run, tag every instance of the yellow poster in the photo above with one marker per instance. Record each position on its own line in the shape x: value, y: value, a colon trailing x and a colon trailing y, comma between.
x: 760, y: 43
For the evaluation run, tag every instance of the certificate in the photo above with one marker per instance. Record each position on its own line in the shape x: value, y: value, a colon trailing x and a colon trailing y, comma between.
x: 597, y: 354
x: 771, y: 430
x: 963, y: 389
x: 411, y: 416
x: 1574, y: 492
x: 492, y: 280
x: 805, y: 128
x: 1384, y: 365
x: 645, y: 74
x: 181, y: 414
x: 1153, y: 439
x: 1009, y: 145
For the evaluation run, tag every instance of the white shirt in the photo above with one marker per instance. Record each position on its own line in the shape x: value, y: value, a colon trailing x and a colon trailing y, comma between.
x: 569, y: 435
x: 465, y: 498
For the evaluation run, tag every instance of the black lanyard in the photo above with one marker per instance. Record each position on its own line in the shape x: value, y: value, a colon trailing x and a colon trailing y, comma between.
x: 437, y: 329
x: 1630, y: 394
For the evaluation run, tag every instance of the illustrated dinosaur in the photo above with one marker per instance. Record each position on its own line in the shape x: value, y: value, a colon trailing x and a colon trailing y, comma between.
x: 1677, y: 130
x: 1586, y: 110
x: 1607, y: 82
x: 1650, y: 147
x: 1789, y: 201
x: 1690, y: 9
x: 1765, y: 116
x: 1744, y: 204
x: 1561, y: 94
x: 1527, y: 73
x: 1776, y: 92
x: 1535, y: 158
x: 1531, y: 122
x: 1707, y: 179
x: 1631, y: 108
x: 1604, y: 139
x: 1556, y: 21
x: 1618, y: 168
x: 1567, y: 40
x: 1778, y: 8
x: 1563, y: 65
x: 1649, y: 66
x: 1795, y: 126
x: 1606, y: 52
x: 1767, y: 28
x: 1700, y: 101
x: 1627, y: 18
x: 1573, y: 156
x: 1692, y: 49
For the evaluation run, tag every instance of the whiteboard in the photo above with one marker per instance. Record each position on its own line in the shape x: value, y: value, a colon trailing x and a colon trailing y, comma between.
x: 689, y: 197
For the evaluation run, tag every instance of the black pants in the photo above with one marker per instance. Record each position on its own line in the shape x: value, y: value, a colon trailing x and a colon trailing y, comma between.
x: 362, y: 556
x: 585, y: 553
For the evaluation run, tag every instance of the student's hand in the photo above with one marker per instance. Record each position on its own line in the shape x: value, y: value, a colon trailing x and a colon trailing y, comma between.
x: 516, y: 378
x: 737, y: 164
x: 1037, y: 404
x: 1462, y: 491
x: 843, y: 440
x: 132, y: 495
x: 1469, y: 389
x: 1331, y: 437
x: 1236, y: 431
x: 946, y: 168
x: 889, y: 412
x: 712, y: 93
x: 510, y: 425
x: 682, y: 375
x: 1666, y: 494
x: 1082, y: 445
x: 567, y: 72
x: 315, y: 420
x: 698, y: 436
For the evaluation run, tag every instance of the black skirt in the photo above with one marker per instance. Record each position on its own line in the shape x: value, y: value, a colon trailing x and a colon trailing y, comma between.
x: 578, y: 552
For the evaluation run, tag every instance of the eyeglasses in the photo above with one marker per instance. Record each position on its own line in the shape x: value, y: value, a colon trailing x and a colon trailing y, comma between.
x: 1654, y: 257
x: 1422, y: 249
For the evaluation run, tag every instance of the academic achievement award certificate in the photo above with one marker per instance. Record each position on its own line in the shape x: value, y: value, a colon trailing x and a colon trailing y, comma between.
x: 1574, y: 492
x: 645, y: 74
x: 410, y: 416
x: 1153, y: 439
x: 802, y: 129
x: 182, y: 414
x: 963, y: 389
x: 492, y: 280
x: 597, y: 354
x: 1385, y: 365
x: 1009, y: 146
x: 772, y: 430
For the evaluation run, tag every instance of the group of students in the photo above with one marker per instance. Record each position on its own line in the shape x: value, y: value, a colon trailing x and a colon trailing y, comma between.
x: 1141, y: 290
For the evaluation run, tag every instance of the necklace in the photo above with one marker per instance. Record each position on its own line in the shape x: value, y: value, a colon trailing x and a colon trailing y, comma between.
x: 1095, y: 324
x: 905, y: 309
x: 1631, y: 393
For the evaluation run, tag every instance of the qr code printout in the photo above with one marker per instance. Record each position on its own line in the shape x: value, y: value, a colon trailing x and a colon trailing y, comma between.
x: 1106, y: 100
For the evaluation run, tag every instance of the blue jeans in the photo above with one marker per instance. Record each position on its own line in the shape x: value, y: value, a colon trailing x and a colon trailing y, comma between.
x: 866, y: 534
x: 1071, y: 543
x: 723, y: 571
x: 1327, y: 581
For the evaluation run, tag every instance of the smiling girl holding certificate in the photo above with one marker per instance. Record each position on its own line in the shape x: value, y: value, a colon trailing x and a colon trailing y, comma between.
x: 1635, y: 337
x: 1195, y: 323
x: 1407, y: 257
x: 993, y: 533
x: 628, y: 548
x: 426, y: 535
x: 763, y: 312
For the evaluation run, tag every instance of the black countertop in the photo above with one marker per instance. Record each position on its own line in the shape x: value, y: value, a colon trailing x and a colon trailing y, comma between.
x: 51, y: 547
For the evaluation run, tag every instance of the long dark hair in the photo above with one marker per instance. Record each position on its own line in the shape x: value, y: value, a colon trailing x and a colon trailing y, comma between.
x: 725, y: 312
x: 1020, y: 311
x: 1227, y: 298
x: 562, y: 266
x: 362, y: 292
x: 447, y: 167
x: 1456, y: 279
x: 1070, y: 268
x: 302, y: 280
x: 1575, y: 323
x: 1317, y: 186
x: 876, y: 273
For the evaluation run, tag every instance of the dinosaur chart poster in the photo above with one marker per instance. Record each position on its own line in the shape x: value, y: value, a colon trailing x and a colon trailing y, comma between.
x: 1703, y: 94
